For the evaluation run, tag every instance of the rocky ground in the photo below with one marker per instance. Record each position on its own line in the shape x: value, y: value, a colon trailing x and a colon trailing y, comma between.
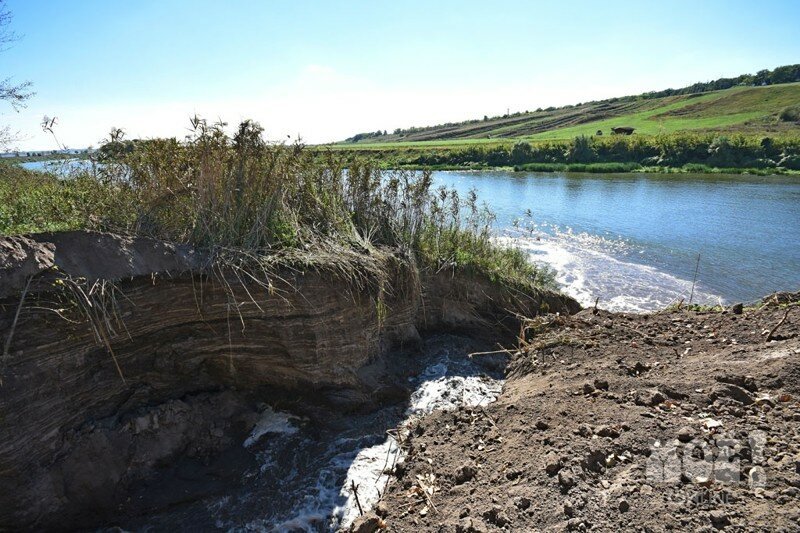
x: 678, y: 420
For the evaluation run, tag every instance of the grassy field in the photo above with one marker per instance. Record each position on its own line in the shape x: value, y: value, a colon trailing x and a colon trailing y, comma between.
x: 749, y: 110
x: 741, y: 109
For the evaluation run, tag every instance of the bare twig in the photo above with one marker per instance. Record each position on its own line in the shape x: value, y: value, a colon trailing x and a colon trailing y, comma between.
x: 354, y: 488
x: 779, y: 324
x: 696, y: 268
x: 7, y: 346
x: 502, y: 350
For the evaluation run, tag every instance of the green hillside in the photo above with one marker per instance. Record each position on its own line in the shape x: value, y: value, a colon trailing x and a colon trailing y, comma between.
x: 739, y: 109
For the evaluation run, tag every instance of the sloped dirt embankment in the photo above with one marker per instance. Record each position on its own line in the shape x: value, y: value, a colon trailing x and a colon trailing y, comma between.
x: 681, y: 420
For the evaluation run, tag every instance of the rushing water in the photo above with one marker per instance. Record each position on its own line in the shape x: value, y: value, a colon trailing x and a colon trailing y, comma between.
x: 633, y: 239
x: 315, y: 471
x: 302, y: 478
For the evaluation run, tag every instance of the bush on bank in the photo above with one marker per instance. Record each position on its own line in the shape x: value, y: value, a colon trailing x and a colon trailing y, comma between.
x: 668, y: 150
x: 241, y: 193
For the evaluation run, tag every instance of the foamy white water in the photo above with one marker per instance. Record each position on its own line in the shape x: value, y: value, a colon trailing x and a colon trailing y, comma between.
x: 437, y: 391
x: 274, y: 422
x: 589, y: 267
x: 327, y: 502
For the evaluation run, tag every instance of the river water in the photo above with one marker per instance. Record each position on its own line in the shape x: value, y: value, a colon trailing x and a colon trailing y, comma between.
x: 633, y: 239
x: 304, y: 471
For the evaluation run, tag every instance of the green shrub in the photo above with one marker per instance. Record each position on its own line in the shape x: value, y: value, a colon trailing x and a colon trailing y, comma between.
x: 241, y: 194
x: 581, y: 150
x: 521, y: 153
x: 790, y: 114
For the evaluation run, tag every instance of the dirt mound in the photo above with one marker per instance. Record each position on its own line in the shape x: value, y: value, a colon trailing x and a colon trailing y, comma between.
x: 677, y: 420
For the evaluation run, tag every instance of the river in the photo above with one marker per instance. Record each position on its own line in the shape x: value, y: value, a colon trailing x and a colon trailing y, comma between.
x: 633, y: 240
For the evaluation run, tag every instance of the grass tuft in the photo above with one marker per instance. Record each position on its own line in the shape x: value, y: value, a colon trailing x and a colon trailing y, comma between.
x: 260, y: 204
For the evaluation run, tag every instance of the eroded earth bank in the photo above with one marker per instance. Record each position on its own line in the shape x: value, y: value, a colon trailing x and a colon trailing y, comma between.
x: 134, y: 370
x: 148, y: 388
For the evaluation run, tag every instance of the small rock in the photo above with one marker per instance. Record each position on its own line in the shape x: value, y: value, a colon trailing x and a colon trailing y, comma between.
x: 719, y: 519
x: 470, y: 525
x: 791, y: 491
x: 522, y: 503
x: 729, y: 390
x: 588, y: 388
x: 552, y: 464
x: 496, y: 516
x: 584, y: 430
x: 607, y: 431
x: 466, y: 472
x: 649, y: 397
x: 601, y: 384
x: 765, y: 399
x: 637, y: 369
x: 595, y: 459
x: 703, y: 481
x: 623, y: 506
x: 685, y: 434
x: 577, y: 524
x: 542, y: 425
x: 382, y: 509
x: 569, y: 510
x: 566, y: 479
x: 369, y: 523
x: 747, y: 382
x: 737, y: 308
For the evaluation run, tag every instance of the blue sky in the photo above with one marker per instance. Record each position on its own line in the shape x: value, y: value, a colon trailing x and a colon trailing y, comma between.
x: 326, y: 70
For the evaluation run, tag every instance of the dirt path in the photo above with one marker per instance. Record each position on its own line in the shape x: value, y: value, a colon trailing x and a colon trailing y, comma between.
x: 674, y: 421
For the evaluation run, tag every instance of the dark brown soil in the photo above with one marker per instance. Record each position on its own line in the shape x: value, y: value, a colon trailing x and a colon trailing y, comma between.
x: 571, y: 443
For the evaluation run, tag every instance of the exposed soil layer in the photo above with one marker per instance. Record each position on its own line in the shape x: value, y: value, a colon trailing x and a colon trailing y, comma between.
x: 617, y: 422
x: 123, y: 356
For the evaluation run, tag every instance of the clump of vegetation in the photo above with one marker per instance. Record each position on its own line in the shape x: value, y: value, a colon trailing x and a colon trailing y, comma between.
x: 581, y: 150
x: 618, y: 153
x: 240, y: 193
x: 36, y: 202
x: 790, y: 114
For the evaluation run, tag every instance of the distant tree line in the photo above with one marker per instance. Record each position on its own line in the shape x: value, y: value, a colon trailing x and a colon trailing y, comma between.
x: 784, y: 74
x: 368, y: 135
x: 668, y: 150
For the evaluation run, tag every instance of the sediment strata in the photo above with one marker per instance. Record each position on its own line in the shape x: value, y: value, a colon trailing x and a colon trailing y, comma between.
x: 124, y: 354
